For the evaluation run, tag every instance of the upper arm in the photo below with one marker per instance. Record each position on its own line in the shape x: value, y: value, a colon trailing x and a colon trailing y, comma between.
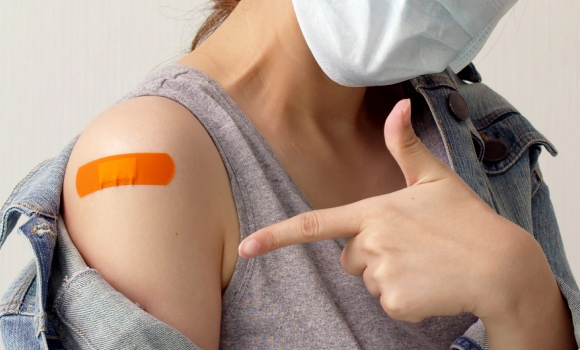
x: 161, y: 246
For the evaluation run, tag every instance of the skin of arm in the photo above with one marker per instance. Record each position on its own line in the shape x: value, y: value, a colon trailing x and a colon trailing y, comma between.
x: 164, y: 247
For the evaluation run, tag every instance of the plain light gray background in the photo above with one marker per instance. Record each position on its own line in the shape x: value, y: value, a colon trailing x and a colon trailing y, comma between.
x: 64, y: 62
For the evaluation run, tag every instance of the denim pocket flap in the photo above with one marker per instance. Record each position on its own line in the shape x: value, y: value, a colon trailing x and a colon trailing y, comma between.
x: 506, y: 135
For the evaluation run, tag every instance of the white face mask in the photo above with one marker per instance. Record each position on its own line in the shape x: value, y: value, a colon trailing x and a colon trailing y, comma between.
x: 383, y: 42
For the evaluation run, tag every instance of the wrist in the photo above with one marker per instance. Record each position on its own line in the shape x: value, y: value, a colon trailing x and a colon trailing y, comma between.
x: 538, y: 322
x: 528, y: 311
x: 514, y: 271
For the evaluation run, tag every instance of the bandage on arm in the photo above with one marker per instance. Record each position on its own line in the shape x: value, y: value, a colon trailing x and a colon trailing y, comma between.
x: 159, y: 245
x: 124, y: 170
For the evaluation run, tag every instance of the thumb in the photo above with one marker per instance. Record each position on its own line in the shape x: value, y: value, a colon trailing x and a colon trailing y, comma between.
x: 417, y: 163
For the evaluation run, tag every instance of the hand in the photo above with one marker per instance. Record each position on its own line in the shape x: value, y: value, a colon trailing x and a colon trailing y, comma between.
x: 433, y: 248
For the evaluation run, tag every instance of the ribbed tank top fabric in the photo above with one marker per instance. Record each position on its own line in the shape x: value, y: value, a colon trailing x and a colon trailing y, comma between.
x: 297, y: 297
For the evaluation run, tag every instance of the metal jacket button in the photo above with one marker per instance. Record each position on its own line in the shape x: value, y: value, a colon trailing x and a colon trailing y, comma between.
x: 495, y: 150
x: 458, y: 106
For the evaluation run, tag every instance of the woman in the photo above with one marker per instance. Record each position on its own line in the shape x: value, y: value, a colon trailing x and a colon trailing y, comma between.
x: 272, y: 136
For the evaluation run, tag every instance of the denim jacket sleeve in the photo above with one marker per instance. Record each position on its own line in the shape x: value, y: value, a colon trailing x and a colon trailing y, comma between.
x: 547, y: 234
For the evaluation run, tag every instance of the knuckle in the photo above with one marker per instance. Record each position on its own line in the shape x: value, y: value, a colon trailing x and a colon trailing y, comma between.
x: 310, y: 225
x: 272, y: 239
x: 396, y: 305
x: 379, y: 243
x: 351, y: 267
x: 370, y: 244
x: 345, y: 261
x: 414, y: 145
x: 381, y: 273
x: 371, y: 284
x: 342, y: 260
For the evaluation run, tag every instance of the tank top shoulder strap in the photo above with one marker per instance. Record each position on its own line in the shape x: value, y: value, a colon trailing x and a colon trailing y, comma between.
x: 263, y: 191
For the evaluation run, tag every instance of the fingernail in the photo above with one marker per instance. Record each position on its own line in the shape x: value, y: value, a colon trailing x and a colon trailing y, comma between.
x: 249, y: 249
x: 407, y: 113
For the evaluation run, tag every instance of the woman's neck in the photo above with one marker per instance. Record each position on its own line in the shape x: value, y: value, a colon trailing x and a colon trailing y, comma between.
x: 260, y: 58
x: 327, y: 136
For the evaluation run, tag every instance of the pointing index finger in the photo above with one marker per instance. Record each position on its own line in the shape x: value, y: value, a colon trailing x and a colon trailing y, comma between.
x: 316, y: 225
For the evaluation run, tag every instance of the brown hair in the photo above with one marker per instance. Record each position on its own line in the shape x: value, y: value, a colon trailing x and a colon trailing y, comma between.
x: 220, y: 11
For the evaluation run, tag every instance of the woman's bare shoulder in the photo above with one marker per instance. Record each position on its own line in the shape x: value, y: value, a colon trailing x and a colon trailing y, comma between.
x: 163, y: 246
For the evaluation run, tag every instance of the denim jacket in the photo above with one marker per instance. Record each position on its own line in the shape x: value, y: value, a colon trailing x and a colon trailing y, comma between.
x: 487, y: 142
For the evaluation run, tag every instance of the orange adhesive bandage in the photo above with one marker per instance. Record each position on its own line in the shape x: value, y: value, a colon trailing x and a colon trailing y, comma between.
x: 125, y: 169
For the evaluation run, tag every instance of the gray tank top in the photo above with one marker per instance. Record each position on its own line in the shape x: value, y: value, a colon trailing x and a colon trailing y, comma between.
x: 297, y: 297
